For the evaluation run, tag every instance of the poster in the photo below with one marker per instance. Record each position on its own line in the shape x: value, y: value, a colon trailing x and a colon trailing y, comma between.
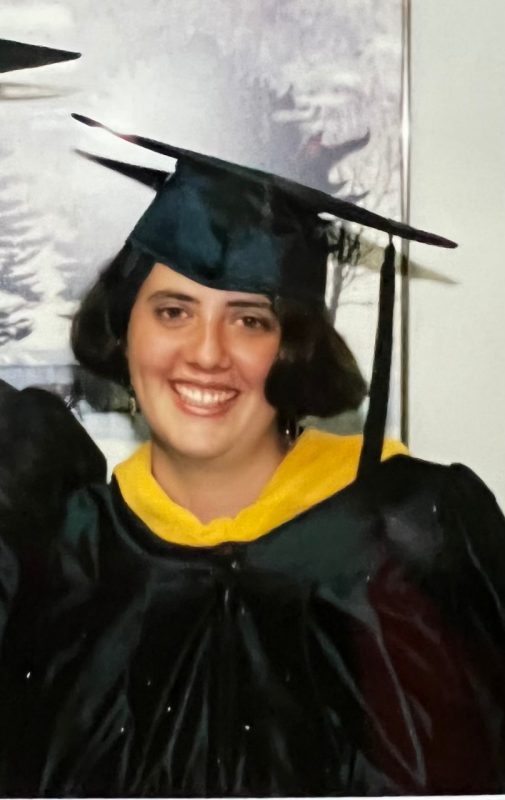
x: 309, y: 90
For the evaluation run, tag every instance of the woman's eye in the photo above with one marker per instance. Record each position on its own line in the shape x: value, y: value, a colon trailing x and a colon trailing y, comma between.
x: 170, y: 312
x: 258, y: 323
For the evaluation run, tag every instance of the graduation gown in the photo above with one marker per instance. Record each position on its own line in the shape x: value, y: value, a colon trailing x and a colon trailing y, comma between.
x: 352, y: 644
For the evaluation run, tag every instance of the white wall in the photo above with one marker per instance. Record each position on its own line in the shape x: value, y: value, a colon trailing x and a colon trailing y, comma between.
x: 457, y: 333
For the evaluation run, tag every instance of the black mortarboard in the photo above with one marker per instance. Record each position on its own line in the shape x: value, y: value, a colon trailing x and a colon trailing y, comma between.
x: 19, y: 55
x: 232, y: 227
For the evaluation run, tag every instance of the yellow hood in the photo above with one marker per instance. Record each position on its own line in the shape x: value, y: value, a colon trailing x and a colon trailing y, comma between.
x: 319, y: 465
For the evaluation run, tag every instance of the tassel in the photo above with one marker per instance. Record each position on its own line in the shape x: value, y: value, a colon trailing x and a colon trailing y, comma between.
x: 375, y: 424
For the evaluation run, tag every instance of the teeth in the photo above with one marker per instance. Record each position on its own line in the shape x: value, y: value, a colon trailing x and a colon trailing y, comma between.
x: 203, y: 397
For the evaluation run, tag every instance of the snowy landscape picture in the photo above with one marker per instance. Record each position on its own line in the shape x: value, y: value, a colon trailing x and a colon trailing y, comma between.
x: 311, y: 90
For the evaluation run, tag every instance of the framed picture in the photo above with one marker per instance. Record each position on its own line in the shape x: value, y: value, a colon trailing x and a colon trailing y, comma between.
x: 312, y: 91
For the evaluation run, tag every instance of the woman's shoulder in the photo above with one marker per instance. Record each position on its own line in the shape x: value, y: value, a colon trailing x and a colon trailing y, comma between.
x: 423, y: 510
x: 435, y: 514
x: 45, y: 454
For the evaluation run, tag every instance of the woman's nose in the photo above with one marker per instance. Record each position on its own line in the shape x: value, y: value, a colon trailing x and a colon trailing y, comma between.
x: 206, y: 346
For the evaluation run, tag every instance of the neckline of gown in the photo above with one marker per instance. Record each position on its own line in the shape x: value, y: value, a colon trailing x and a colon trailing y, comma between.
x: 318, y: 466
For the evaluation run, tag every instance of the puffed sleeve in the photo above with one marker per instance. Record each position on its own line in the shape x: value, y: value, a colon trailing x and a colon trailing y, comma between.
x: 44, y: 454
x: 417, y: 655
x: 440, y: 602
x: 474, y: 565
x: 474, y: 527
x: 467, y: 583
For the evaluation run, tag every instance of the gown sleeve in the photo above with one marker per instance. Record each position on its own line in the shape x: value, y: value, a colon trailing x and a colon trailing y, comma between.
x: 411, y: 659
x: 474, y: 529
x: 474, y: 569
x: 441, y: 605
x: 44, y: 455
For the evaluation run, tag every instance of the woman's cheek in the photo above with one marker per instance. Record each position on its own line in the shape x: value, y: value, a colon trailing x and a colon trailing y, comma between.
x: 259, y: 362
x: 254, y: 352
x: 154, y: 354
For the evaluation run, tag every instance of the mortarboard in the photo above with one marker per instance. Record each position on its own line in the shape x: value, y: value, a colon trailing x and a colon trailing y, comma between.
x: 19, y: 55
x: 232, y: 227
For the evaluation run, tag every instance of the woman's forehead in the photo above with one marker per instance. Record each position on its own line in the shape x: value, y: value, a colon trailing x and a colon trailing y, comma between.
x: 163, y: 279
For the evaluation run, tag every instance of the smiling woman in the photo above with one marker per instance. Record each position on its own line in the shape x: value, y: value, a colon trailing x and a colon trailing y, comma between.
x: 198, y: 360
x: 222, y: 377
x: 244, y: 610
x: 206, y: 352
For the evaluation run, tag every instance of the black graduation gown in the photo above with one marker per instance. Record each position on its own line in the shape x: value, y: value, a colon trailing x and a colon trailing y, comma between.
x: 357, y: 649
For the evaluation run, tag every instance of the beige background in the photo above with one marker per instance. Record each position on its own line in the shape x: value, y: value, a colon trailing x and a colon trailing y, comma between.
x: 457, y: 337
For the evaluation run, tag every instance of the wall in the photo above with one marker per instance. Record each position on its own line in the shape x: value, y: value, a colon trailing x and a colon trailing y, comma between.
x: 457, y: 332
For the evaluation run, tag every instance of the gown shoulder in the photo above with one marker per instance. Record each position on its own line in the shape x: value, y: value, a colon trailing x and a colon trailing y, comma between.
x: 428, y: 643
x: 45, y: 453
x: 441, y: 516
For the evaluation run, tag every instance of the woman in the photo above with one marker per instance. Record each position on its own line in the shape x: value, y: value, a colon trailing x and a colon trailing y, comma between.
x: 236, y: 614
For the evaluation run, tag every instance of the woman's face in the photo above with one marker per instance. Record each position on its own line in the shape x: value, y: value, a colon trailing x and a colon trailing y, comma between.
x: 198, y: 360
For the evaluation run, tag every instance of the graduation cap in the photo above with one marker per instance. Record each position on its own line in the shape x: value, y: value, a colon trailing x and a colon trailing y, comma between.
x: 231, y: 227
x: 19, y: 55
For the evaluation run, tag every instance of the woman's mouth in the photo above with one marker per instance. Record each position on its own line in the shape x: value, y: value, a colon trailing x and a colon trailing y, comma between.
x: 203, y: 400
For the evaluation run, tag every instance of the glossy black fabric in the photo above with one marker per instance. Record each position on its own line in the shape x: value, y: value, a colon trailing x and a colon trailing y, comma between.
x: 357, y: 649
x: 44, y: 454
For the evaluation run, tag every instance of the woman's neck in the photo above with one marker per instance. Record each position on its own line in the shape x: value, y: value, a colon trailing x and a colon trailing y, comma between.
x: 219, y: 487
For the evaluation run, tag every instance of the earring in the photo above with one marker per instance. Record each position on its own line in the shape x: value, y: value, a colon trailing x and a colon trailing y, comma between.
x: 291, y: 430
x: 132, y: 401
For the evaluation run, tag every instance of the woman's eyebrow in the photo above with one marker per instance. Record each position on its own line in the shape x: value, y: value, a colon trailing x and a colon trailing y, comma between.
x: 166, y: 294
x: 250, y: 304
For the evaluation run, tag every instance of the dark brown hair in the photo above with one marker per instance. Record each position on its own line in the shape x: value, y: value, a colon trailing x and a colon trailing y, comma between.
x: 314, y: 373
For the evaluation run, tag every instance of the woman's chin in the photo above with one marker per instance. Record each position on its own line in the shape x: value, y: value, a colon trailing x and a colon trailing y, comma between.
x: 193, y: 448
x: 194, y: 436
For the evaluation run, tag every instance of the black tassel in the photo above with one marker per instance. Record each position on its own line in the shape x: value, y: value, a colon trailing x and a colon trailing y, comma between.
x: 375, y: 423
